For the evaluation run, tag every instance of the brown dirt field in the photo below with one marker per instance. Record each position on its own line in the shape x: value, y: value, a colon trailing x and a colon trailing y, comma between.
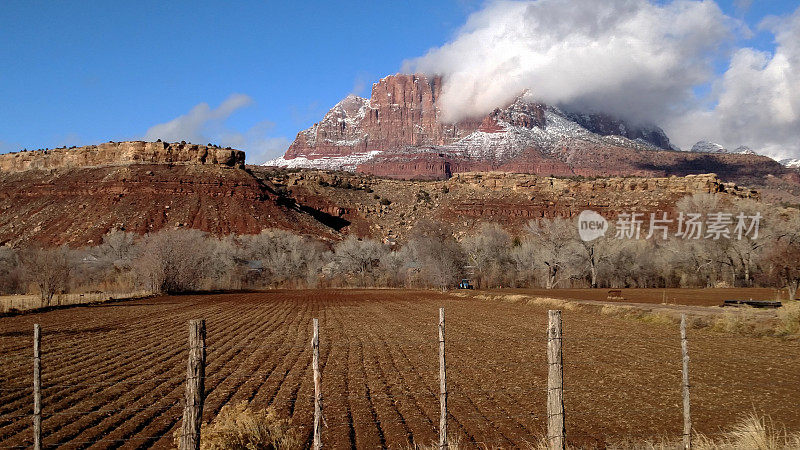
x: 113, y: 374
x: 675, y: 296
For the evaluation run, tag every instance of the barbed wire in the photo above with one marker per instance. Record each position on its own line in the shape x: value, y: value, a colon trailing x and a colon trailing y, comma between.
x: 468, y: 402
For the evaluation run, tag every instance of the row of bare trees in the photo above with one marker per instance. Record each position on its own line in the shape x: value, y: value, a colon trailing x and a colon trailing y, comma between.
x: 546, y: 253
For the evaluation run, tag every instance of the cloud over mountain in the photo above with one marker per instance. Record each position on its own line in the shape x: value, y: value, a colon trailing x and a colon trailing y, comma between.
x: 204, y: 124
x: 639, y: 60
x: 631, y: 58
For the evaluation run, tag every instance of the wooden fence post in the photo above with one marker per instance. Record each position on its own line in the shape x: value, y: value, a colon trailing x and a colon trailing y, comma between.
x: 443, y: 443
x: 556, y: 432
x: 317, y: 388
x: 37, y: 387
x: 687, y: 416
x: 195, y: 386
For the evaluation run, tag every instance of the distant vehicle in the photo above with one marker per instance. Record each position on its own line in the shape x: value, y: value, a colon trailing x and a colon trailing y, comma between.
x: 465, y: 284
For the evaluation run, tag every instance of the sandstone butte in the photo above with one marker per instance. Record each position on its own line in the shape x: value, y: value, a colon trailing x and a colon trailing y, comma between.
x: 119, y: 153
x: 75, y: 196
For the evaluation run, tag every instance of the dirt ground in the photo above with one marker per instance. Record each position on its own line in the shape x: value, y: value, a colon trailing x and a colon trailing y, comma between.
x: 113, y: 374
x: 692, y: 297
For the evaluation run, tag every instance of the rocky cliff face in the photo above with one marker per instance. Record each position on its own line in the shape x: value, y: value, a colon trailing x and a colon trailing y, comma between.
x: 389, y: 209
x: 397, y: 133
x: 78, y: 205
x: 401, y: 112
x: 121, y: 153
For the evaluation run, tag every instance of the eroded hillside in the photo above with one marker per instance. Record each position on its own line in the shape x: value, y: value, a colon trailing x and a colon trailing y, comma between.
x: 75, y: 196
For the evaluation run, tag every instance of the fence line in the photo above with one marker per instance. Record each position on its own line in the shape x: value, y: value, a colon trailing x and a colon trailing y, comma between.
x: 37, y: 387
x: 443, y: 441
x: 555, y: 384
x: 195, y: 394
x: 687, y: 416
x: 317, y: 388
x: 195, y: 386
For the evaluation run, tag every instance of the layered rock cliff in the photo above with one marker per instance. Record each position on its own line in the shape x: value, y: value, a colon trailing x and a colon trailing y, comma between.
x: 398, y: 133
x: 389, y: 209
x: 121, y: 153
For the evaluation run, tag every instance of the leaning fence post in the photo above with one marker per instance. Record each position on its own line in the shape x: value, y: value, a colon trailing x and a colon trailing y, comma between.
x: 195, y: 386
x: 37, y: 387
x: 687, y: 416
x: 317, y: 388
x: 443, y: 444
x: 556, y: 432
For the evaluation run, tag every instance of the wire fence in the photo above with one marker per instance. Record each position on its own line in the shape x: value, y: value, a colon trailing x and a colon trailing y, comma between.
x: 125, y: 408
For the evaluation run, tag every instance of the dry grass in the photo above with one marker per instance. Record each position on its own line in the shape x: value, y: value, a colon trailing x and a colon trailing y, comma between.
x: 655, y: 316
x: 452, y: 444
x: 789, y: 318
x: 751, y: 432
x: 239, y: 427
x: 10, y: 303
x: 554, y: 303
x: 546, y: 302
x: 742, y: 321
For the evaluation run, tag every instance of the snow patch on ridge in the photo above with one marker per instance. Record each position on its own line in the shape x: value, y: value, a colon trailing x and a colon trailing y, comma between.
x: 713, y: 147
x: 349, y: 162
x: 791, y: 163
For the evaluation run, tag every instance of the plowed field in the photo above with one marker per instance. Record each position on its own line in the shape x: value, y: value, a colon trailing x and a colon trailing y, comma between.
x: 113, y: 373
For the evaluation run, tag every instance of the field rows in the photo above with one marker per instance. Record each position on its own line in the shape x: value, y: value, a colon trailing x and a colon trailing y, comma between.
x: 113, y: 374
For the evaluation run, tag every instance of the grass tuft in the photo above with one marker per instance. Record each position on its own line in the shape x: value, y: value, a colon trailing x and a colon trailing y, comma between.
x: 237, y: 427
x: 789, y: 318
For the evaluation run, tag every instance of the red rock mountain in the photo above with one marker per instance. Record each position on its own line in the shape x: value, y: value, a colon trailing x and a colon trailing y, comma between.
x: 75, y: 196
x: 398, y: 133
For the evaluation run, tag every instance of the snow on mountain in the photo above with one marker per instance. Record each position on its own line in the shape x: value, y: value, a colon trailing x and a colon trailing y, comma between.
x: 713, y: 147
x: 398, y: 132
x: 708, y: 147
x: 791, y: 163
x: 505, y: 140
x: 348, y: 162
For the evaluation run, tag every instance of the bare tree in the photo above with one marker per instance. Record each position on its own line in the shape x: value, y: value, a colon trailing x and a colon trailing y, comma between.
x: 549, y: 246
x: 174, y: 261
x: 596, y: 256
x: 488, y: 252
x: 48, y: 269
x: 359, y: 258
x: 10, y: 271
x: 783, y: 255
x: 435, y: 254
x: 285, y: 258
x: 117, y: 247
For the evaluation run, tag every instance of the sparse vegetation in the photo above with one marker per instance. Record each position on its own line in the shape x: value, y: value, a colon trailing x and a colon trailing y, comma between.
x: 239, y: 427
x: 546, y: 253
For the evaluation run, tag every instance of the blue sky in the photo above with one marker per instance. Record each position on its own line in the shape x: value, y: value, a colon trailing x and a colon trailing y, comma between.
x: 77, y: 73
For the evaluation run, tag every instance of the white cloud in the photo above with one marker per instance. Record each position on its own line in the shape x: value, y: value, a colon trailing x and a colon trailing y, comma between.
x: 631, y: 58
x: 742, y: 6
x: 203, y: 125
x: 260, y: 146
x: 758, y: 98
x: 198, y: 123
